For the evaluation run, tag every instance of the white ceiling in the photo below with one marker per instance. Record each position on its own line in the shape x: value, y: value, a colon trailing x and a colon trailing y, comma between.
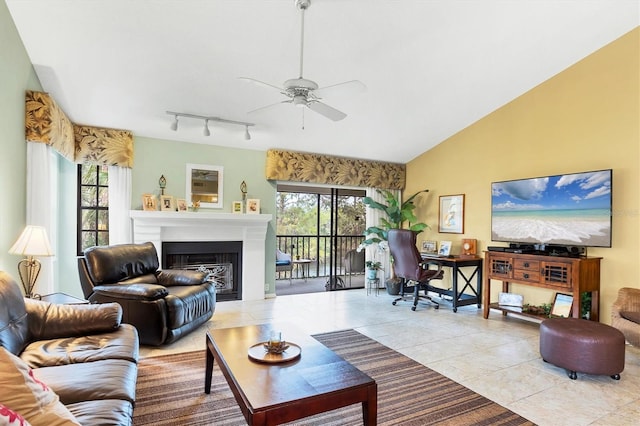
x: 431, y: 67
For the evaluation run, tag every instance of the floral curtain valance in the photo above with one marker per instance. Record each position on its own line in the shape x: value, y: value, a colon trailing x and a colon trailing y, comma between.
x: 46, y: 122
x: 326, y: 169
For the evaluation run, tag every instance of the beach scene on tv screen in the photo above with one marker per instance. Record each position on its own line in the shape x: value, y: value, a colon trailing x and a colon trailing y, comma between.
x: 572, y: 209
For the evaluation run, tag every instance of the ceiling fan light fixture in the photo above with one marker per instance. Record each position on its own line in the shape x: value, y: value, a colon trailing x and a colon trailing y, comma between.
x: 300, y: 100
x: 206, y: 130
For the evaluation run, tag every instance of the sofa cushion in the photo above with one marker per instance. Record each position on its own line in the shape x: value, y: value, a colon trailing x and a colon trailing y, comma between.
x: 14, y: 330
x: 103, y: 412
x: 119, y: 344
x: 32, y: 398
x: 631, y: 316
x: 9, y: 417
x: 50, y: 321
x: 107, y: 379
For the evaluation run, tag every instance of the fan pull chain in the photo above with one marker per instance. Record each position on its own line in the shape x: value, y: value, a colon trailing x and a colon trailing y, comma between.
x: 302, y: 118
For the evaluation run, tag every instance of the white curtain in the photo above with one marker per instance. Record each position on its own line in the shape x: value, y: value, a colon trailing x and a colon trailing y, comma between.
x: 373, y: 217
x: 119, y: 205
x: 42, y: 196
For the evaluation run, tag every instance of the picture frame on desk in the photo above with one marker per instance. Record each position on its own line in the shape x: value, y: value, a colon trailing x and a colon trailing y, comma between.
x: 429, y: 247
x: 562, y: 304
x: 451, y: 214
x: 445, y: 248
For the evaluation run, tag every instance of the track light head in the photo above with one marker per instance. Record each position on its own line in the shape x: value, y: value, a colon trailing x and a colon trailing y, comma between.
x: 206, y: 130
x: 174, y: 124
x: 247, y: 135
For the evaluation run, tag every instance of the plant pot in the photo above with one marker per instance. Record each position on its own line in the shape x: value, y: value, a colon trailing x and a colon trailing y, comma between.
x: 393, y: 286
x: 372, y: 274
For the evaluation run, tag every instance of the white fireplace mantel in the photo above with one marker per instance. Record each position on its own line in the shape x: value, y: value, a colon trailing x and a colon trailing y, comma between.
x: 251, y: 229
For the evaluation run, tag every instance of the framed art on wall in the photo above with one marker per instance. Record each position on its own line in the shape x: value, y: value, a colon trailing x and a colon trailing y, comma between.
x: 451, y: 214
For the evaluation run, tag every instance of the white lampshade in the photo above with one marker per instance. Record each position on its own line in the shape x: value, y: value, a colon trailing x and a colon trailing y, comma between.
x: 32, y: 242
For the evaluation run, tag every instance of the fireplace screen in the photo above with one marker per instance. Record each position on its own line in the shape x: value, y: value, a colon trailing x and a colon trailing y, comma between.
x: 221, y: 261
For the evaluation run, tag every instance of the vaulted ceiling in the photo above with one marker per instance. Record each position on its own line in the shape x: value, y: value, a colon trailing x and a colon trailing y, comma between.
x: 431, y: 67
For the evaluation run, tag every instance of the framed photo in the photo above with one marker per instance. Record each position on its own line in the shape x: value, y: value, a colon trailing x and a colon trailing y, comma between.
x: 445, y: 248
x: 181, y: 204
x: 149, y: 203
x: 429, y: 247
x: 562, y: 304
x: 237, y: 207
x: 166, y: 203
x: 451, y: 215
x: 253, y: 206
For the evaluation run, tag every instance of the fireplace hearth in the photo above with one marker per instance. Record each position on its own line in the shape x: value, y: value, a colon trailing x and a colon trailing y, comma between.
x: 221, y: 260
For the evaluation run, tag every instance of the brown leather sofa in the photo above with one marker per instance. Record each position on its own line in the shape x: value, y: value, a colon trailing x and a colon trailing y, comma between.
x: 162, y: 305
x: 81, y: 352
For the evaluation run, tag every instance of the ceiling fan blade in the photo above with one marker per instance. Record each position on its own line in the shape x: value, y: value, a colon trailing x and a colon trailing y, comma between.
x: 348, y: 87
x: 324, y: 109
x: 261, y: 83
x: 269, y: 106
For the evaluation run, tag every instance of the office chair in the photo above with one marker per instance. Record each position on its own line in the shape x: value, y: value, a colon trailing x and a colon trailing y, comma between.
x: 409, y: 266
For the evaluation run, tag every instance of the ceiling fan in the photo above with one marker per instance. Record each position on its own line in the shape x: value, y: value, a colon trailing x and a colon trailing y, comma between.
x: 306, y: 93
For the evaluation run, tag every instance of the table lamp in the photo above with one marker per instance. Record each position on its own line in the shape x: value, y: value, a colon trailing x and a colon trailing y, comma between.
x: 32, y: 242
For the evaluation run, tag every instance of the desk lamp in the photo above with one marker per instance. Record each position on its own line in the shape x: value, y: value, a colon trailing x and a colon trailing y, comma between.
x: 32, y: 242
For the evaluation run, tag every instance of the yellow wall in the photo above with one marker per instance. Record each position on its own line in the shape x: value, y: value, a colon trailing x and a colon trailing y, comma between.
x: 585, y: 118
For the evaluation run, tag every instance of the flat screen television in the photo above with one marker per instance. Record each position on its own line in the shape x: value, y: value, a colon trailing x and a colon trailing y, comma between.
x: 570, y: 210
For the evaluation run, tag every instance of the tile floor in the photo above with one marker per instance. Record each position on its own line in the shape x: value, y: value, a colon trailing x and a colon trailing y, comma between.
x: 497, y: 358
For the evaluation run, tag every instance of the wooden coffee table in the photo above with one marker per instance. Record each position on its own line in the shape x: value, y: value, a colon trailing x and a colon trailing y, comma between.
x: 275, y: 393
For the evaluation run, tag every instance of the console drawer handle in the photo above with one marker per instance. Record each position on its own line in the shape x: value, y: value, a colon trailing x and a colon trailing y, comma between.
x: 526, y: 275
x: 526, y: 264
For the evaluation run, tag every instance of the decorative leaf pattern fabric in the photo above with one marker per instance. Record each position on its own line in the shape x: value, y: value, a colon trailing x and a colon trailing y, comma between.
x: 325, y: 169
x: 45, y: 122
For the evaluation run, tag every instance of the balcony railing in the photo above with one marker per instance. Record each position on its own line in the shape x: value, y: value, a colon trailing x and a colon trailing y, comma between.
x: 317, y: 248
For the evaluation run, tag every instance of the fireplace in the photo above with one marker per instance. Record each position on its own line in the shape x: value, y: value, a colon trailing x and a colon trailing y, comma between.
x: 197, y: 227
x: 221, y: 260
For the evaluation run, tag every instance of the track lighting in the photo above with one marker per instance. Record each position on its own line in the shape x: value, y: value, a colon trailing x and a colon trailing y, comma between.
x: 205, y: 130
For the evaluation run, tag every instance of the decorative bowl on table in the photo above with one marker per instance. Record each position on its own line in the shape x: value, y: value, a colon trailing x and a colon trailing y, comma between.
x: 276, y: 348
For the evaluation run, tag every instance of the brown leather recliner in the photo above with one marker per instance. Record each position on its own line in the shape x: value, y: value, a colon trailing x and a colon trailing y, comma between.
x: 163, y: 305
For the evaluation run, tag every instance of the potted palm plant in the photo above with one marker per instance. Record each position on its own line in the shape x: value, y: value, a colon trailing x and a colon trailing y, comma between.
x: 397, y: 214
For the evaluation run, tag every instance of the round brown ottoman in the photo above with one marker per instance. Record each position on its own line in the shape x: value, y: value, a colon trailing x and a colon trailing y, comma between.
x: 583, y: 346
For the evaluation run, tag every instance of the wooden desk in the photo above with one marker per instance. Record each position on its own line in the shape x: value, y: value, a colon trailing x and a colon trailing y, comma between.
x: 270, y: 394
x: 459, y: 297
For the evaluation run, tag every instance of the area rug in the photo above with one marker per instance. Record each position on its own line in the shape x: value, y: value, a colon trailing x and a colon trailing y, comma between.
x: 170, y: 391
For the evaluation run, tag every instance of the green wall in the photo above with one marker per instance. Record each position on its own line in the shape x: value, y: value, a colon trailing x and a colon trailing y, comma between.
x: 16, y: 76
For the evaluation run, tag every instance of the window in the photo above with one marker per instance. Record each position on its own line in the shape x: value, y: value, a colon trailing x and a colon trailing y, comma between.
x: 93, y: 206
